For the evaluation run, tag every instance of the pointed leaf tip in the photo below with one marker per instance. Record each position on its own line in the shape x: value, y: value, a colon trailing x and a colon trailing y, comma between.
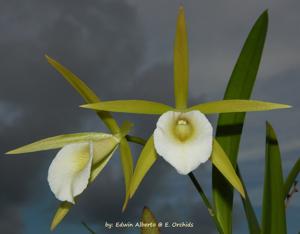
x: 265, y: 13
x: 263, y: 18
x: 149, y: 218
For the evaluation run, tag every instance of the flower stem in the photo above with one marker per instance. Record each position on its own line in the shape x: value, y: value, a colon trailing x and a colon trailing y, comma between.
x: 91, y: 231
x: 141, y: 141
x: 135, y: 139
x: 206, y: 201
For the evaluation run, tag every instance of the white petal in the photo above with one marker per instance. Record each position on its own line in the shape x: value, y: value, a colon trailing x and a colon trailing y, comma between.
x: 70, y: 170
x: 186, y: 155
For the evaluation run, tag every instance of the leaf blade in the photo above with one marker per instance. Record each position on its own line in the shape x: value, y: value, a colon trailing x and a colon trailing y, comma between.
x: 130, y: 106
x: 181, y: 62
x: 273, y: 209
x: 235, y: 105
x: 252, y: 221
x: 230, y: 126
x: 146, y: 160
x: 291, y: 178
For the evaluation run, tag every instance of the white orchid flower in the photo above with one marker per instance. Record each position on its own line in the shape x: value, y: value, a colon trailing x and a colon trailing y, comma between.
x: 70, y: 170
x: 184, y: 139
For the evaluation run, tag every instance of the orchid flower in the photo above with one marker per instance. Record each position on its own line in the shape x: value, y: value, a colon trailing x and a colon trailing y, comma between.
x: 71, y: 169
x: 81, y: 157
x: 183, y: 136
x: 184, y: 139
x: 93, y: 157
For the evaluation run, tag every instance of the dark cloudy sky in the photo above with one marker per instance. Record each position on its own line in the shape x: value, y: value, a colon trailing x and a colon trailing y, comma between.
x: 123, y: 49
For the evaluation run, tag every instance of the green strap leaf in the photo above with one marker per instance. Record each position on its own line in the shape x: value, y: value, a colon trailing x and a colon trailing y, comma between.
x: 60, y: 141
x: 252, y: 221
x: 291, y: 178
x: 146, y: 160
x: 86, y: 93
x: 130, y: 106
x: 65, y: 207
x: 230, y: 126
x: 181, y: 62
x: 273, y: 209
x: 223, y: 164
x: 230, y: 106
x: 149, y: 219
x: 127, y: 165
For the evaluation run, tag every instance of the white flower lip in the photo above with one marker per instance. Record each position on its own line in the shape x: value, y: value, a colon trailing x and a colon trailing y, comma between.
x: 183, y: 139
x: 70, y: 170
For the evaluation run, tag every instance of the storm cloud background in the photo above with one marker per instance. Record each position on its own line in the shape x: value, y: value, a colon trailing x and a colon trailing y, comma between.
x: 123, y: 49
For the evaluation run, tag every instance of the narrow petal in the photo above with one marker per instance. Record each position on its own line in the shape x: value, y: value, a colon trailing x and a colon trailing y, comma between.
x: 181, y: 62
x: 185, y: 155
x: 69, y: 171
x: 85, y: 92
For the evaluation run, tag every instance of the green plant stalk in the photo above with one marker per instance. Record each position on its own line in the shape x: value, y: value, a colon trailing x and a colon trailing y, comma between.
x: 141, y: 141
x: 135, y: 139
x: 206, y: 202
x: 91, y: 231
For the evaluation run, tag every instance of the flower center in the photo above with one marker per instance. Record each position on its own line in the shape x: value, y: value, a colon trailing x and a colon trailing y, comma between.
x: 183, y: 129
